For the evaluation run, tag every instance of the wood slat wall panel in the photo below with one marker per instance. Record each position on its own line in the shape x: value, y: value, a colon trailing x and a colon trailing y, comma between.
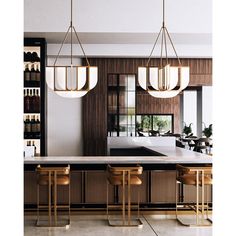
x: 95, y: 102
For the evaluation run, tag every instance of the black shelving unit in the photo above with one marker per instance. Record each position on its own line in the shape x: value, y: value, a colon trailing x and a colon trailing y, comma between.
x: 35, y: 56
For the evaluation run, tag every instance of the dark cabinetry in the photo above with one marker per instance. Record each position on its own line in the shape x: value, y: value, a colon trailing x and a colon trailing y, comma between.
x: 34, y: 94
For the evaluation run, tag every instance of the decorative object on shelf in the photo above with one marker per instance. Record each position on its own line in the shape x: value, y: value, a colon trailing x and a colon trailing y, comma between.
x: 207, y: 131
x: 187, y: 130
x: 71, y: 81
x: 165, y: 81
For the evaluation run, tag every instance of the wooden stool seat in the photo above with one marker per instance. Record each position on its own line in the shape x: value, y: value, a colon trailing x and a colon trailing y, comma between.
x: 190, y: 179
x: 199, y: 177
x: 52, y: 177
x: 61, y: 180
x: 118, y: 180
x: 124, y: 177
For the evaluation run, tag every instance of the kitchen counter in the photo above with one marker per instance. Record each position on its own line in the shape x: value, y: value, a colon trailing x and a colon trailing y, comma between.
x: 172, y: 155
x: 88, y: 176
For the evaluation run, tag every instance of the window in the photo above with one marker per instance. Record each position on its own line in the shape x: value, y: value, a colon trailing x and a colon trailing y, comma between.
x: 153, y: 125
x: 121, y: 105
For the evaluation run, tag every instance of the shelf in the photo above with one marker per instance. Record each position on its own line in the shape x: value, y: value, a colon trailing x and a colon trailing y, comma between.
x: 31, y: 139
x: 33, y: 86
x: 34, y: 55
x: 33, y: 113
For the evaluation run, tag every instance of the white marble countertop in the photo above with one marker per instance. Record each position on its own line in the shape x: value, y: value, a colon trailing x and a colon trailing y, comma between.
x: 173, y: 155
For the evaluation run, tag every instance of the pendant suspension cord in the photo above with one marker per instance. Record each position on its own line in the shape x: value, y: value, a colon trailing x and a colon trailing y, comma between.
x: 163, y: 13
x: 61, y: 45
x: 71, y: 46
x: 154, y: 47
x: 71, y: 27
x: 165, y: 45
x: 162, y: 46
x: 81, y: 46
x: 164, y: 27
x: 173, y: 46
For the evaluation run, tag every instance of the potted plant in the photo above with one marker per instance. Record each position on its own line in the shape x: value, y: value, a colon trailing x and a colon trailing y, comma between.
x: 207, y: 131
x: 161, y: 124
x: 187, y: 130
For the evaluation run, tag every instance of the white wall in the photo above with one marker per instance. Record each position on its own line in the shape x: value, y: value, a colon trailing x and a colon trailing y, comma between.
x: 190, y: 109
x: 207, y: 105
x: 64, y: 122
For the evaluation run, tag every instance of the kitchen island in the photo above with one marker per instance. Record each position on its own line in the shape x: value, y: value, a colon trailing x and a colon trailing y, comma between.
x: 157, y: 190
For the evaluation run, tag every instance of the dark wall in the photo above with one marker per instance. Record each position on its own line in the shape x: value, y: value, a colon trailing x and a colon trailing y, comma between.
x: 95, y: 102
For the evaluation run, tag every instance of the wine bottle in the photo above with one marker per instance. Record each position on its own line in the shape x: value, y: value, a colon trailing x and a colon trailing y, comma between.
x: 38, y: 127
x: 31, y: 102
x: 26, y: 75
x: 27, y: 101
x: 37, y: 75
x: 33, y: 144
x: 27, y: 128
x: 33, y: 127
x: 37, y: 101
x: 28, y: 56
x: 32, y: 75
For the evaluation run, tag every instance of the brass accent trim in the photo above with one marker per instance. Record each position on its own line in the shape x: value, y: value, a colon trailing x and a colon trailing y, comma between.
x: 52, y: 206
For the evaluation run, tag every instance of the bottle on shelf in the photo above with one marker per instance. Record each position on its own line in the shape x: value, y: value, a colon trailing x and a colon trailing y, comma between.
x: 35, y: 57
x: 27, y: 127
x: 28, y: 56
x: 37, y: 101
x: 31, y: 104
x: 37, y: 75
x: 37, y: 127
x: 33, y: 127
x: 27, y: 101
x: 33, y: 144
x: 32, y: 75
x: 26, y: 75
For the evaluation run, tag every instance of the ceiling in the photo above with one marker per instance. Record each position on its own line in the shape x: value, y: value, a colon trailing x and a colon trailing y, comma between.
x: 112, y: 22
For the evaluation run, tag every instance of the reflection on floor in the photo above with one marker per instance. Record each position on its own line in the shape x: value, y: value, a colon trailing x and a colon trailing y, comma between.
x: 96, y: 225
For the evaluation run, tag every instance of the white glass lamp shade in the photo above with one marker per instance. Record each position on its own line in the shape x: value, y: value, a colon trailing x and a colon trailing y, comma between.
x: 174, y: 77
x: 70, y: 81
x: 50, y: 77
x: 164, y: 94
x: 71, y: 94
x: 185, y: 77
x: 81, y: 77
x: 142, y: 77
x: 153, y: 77
x: 93, y: 76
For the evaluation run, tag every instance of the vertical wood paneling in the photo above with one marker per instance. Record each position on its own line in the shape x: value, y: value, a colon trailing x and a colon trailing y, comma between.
x: 95, y: 102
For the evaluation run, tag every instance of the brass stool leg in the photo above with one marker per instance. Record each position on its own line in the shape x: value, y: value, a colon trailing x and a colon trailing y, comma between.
x: 69, y: 201
x: 107, y: 199
x: 49, y: 198
x: 37, y: 203
x: 138, y: 201
x: 123, y: 198
x: 203, y: 205
x: 207, y: 202
x: 176, y: 199
x: 129, y: 198
x: 197, y: 200
x: 55, y: 198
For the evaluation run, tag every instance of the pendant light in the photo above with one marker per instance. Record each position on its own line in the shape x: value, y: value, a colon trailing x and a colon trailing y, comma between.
x: 164, y: 81
x: 71, y: 81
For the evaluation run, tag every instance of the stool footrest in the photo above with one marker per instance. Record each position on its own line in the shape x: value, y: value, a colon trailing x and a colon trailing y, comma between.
x: 120, y: 223
x: 60, y: 223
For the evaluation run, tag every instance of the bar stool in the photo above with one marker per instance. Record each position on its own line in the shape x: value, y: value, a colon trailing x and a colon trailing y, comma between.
x: 199, y: 177
x: 52, y: 177
x: 124, y: 177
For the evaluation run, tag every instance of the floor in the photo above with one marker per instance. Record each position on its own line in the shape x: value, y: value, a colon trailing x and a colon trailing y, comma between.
x: 96, y: 225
